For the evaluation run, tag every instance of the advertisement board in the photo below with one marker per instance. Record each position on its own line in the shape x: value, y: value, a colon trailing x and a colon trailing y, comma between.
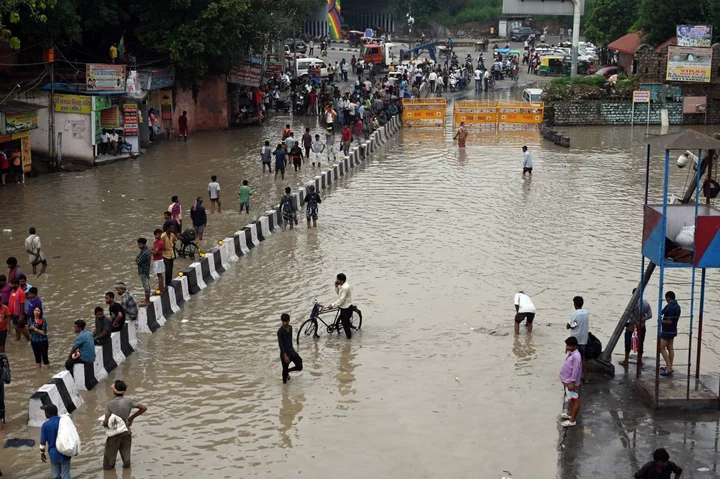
x: 26, y: 120
x: 102, y: 77
x: 248, y: 74
x: 690, y: 64
x: 130, y: 119
x: 73, y: 104
x: 694, y: 105
x: 161, y: 79
x: 694, y: 35
x: 110, y: 118
x: 273, y: 68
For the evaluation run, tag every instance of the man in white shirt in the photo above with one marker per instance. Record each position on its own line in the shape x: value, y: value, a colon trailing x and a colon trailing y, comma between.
x: 432, y: 78
x: 34, y: 250
x: 318, y: 146
x: 579, y: 326
x: 527, y: 162
x: 344, y: 302
x: 524, y: 310
x: 214, y: 193
x: 114, y: 139
x: 478, y: 79
x: 486, y: 80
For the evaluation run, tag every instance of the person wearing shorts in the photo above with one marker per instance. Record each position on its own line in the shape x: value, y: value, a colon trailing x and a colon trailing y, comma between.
x: 318, y: 146
x: 570, y: 375
x: 670, y: 316
x: 524, y: 311
x: 214, y: 194
x: 312, y: 200
x: 158, y: 248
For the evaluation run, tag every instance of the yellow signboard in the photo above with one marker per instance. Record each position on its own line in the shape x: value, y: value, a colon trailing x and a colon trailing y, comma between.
x: 689, y: 64
x: 26, y: 120
x: 424, y: 111
x: 73, y: 104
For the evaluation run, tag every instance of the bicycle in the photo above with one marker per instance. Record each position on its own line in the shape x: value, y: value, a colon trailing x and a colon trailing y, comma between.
x: 309, y: 327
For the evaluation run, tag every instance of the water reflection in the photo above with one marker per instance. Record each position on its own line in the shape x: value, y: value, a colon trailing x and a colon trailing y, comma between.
x: 293, y: 400
x: 524, y: 351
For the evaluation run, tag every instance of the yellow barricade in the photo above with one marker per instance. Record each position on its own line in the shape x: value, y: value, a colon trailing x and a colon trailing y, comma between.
x: 424, y: 111
x: 501, y: 115
x: 520, y: 115
x: 477, y: 115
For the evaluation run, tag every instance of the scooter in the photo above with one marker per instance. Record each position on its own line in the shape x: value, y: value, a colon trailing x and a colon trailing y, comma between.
x: 452, y: 81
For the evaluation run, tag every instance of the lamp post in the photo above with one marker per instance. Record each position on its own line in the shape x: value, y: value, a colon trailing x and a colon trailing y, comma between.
x: 411, y: 22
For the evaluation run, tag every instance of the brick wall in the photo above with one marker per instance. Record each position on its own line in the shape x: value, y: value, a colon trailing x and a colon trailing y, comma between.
x: 210, y: 110
x: 612, y: 113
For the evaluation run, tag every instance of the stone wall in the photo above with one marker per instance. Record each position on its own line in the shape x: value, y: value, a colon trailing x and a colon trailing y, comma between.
x: 209, y: 111
x: 620, y: 113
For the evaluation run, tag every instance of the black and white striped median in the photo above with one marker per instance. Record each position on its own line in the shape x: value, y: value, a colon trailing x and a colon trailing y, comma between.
x: 63, y: 390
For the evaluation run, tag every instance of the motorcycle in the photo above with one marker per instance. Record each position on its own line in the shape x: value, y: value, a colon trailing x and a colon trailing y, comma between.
x: 299, y: 107
x: 453, y: 82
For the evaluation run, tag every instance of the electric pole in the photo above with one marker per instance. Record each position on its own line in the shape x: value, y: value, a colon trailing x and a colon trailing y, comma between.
x: 51, y: 117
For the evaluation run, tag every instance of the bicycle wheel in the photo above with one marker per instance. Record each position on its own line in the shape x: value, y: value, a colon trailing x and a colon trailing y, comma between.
x: 308, y: 328
x: 356, y: 319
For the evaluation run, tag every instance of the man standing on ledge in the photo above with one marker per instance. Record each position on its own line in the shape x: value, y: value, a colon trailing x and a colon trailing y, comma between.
x: 287, y: 351
x: 121, y: 407
x: 527, y: 162
x: 344, y: 302
x: 642, y: 314
x: 570, y: 378
x: 579, y: 326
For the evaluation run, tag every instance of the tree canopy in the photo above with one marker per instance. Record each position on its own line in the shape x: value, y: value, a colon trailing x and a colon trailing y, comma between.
x: 608, y: 20
x: 12, y: 12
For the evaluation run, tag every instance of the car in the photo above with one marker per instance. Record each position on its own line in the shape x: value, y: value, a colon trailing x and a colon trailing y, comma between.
x: 521, y: 34
x: 532, y: 95
x: 302, y: 65
x: 607, y: 72
x: 296, y: 45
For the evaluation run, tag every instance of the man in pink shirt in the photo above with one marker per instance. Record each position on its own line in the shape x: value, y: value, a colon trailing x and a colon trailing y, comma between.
x: 570, y: 375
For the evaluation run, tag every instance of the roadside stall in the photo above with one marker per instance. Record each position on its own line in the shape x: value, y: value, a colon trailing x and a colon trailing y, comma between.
x: 17, y: 119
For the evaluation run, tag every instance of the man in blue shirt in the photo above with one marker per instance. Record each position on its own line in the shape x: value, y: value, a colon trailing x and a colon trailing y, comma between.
x: 59, y: 464
x: 83, y: 349
x: 670, y: 317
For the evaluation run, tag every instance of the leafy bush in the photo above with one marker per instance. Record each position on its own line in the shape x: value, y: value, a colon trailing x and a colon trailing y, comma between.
x: 590, y: 80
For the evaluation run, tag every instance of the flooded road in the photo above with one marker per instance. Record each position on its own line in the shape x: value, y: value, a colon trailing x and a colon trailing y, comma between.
x: 434, y: 241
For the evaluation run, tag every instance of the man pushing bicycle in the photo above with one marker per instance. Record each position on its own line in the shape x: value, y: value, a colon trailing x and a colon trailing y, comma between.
x: 344, y: 302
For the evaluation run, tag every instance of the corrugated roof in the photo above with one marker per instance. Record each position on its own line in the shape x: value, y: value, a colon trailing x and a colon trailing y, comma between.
x: 685, y: 140
x: 672, y: 41
x: 12, y: 107
x: 626, y: 44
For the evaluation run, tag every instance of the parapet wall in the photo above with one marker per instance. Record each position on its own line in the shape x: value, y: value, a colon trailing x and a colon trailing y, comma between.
x: 63, y: 390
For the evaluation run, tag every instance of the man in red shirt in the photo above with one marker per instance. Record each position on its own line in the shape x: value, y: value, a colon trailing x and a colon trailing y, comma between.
x: 313, y: 103
x: 16, y: 306
x: 158, y: 248
x: 346, y: 139
x: 4, y: 317
x: 183, y: 126
x: 4, y: 166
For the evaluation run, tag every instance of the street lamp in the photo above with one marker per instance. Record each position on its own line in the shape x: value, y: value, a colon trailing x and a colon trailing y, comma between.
x: 411, y: 22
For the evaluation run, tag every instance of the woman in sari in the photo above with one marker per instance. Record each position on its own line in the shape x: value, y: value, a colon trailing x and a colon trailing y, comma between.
x: 461, y: 135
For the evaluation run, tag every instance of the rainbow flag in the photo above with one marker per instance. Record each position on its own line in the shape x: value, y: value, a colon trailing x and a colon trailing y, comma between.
x: 334, y: 19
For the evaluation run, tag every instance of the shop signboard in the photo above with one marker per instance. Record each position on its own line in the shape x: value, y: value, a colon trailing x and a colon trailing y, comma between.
x: 689, y: 64
x: 247, y: 74
x: 109, y: 118
x: 130, y: 119
x: 23, y: 121
x: 101, y: 102
x: 161, y: 79
x: 694, y: 35
x: 102, y: 77
x: 81, y: 104
x: 272, y: 69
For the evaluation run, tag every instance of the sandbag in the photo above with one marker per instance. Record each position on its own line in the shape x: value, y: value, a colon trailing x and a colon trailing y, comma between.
x: 686, y: 237
x: 68, y: 441
x: 593, y: 348
x: 115, y: 425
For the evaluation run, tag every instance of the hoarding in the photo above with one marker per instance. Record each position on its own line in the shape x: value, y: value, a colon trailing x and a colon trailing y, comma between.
x: 161, y: 79
x: 248, y: 74
x: 541, y: 7
x: 101, y: 77
x: 694, y: 104
x: 689, y: 64
x: 694, y: 35
x: 641, y: 96
x: 130, y: 119
x: 73, y: 104
x: 110, y: 118
x: 15, y: 122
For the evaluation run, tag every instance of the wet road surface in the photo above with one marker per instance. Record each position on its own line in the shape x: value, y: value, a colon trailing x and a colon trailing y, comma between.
x: 434, y: 241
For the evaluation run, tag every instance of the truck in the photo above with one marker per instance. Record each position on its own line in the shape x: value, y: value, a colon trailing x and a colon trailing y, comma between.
x: 382, y: 54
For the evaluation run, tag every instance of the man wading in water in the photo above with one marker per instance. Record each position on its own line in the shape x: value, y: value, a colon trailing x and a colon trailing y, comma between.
x: 287, y: 351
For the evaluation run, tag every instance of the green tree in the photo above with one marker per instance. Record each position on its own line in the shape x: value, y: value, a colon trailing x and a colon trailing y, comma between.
x: 609, y: 20
x: 658, y: 18
x: 200, y: 36
x: 13, y: 11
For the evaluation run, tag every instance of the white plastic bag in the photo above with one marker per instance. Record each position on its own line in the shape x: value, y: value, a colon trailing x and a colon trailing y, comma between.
x: 68, y: 441
x: 686, y: 237
x: 115, y: 425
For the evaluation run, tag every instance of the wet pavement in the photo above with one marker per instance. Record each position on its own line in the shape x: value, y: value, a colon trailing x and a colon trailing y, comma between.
x: 435, y: 242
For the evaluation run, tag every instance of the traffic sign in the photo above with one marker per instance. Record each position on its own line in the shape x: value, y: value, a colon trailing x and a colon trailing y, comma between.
x: 368, y: 32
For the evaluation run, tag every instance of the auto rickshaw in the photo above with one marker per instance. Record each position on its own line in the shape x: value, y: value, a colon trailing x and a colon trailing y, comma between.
x: 553, y: 65
x: 514, y: 53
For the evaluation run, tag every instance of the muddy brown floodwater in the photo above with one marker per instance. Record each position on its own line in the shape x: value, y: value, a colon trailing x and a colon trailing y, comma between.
x: 434, y: 241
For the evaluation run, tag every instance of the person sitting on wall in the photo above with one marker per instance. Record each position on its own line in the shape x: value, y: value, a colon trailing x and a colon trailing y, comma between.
x: 123, y: 145
x: 113, y: 141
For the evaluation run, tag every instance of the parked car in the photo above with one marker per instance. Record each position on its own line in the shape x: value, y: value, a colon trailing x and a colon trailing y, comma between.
x: 521, y: 34
x: 607, y: 72
x: 296, y: 45
x: 532, y: 95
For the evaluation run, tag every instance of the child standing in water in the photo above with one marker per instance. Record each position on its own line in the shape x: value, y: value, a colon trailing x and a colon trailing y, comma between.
x: 244, y: 192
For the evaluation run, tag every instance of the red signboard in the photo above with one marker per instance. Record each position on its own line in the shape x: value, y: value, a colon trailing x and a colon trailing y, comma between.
x: 130, y: 119
x: 248, y: 74
x: 273, y: 68
x: 109, y: 118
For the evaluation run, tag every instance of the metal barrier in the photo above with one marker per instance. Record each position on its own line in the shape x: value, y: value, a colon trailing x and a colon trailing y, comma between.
x: 501, y: 115
x: 477, y: 114
x: 424, y: 111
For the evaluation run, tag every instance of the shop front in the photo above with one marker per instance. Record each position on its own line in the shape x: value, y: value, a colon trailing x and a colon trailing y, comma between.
x: 17, y: 120
x: 159, y: 86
